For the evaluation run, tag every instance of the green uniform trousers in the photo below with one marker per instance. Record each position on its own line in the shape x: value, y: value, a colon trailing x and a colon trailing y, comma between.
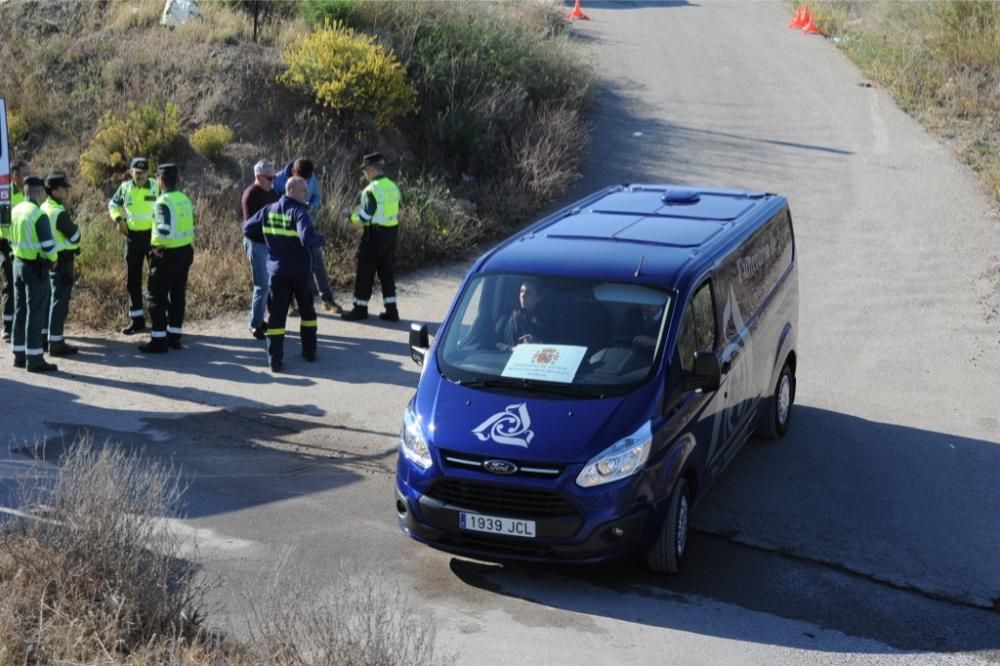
x: 61, y: 281
x: 31, y: 299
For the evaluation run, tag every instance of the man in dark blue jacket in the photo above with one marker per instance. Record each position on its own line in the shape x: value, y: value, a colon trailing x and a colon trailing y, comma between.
x: 287, y: 230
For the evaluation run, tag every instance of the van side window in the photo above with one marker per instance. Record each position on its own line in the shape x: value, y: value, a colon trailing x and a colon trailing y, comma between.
x: 698, y: 330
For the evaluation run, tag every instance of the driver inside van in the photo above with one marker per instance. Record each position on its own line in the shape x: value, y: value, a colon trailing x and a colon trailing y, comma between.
x: 642, y: 324
x: 525, y: 323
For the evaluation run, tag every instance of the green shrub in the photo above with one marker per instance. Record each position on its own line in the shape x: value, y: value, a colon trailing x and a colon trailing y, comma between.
x: 210, y: 141
x: 350, y: 74
x: 433, y: 224
x: 480, y: 70
x: 319, y: 12
x: 17, y: 127
x: 148, y: 129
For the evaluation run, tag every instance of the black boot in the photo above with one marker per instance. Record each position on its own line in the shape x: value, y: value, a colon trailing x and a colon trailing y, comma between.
x: 174, y: 341
x: 138, y: 325
x: 275, y: 351
x: 309, y: 336
x: 358, y: 313
x: 62, y: 349
x: 38, y: 363
x: 390, y: 314
x: 155, y: 346
x: 19, y: 360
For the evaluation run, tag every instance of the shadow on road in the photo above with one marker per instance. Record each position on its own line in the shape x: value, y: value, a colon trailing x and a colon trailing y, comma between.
x: 231, y: 458
x: 636, y: 144
x: 800, y: 528
x: 768, y: 584
x: 340, y: 358
x: 912, y: 507
x: 632, y: 4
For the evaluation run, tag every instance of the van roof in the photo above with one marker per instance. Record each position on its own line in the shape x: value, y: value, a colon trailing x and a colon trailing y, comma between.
x: 653, y: 230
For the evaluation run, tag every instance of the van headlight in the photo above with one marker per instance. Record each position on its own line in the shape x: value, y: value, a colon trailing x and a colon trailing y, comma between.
x: 412, y: 442
x: 620, y: 460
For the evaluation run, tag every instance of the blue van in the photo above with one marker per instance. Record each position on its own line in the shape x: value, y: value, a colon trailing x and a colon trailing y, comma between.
x: 597, y: 372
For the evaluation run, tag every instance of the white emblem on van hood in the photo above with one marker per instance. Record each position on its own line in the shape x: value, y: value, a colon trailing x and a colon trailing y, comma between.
x: 511, y: 426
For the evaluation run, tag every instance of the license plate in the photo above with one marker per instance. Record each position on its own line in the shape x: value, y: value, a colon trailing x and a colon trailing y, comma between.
x: 493, y: 525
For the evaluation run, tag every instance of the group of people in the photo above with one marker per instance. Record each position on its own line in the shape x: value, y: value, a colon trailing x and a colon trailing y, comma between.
x: 39, y: 243
x: 286, y: 257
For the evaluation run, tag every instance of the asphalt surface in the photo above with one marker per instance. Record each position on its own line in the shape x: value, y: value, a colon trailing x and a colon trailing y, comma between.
x: 870, y: 534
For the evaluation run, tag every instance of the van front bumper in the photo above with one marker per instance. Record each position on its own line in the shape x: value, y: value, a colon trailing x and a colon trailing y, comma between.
x: 559, y: 539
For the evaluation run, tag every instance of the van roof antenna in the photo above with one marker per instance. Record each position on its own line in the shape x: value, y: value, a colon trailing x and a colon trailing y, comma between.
x: 638, y: 269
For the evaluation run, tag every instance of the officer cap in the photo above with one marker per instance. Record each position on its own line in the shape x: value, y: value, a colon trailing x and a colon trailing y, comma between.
x: 33, y: 181
x: 168, y: 169
x: 140, y: 163
x: 56, y: 179
x: 372, y: 158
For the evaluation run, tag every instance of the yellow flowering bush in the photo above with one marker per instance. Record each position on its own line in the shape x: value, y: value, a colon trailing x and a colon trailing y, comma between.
x: 210, y: 140
x: 147, y: 129
x: 350, y: 73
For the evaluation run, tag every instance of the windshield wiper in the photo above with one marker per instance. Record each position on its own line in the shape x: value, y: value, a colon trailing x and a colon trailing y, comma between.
x: 530, y: 385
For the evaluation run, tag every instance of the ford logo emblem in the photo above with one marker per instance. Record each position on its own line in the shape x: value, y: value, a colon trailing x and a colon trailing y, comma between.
x: 500, y: 466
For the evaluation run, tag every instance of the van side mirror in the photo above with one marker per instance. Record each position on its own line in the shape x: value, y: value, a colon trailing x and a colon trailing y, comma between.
x: 706, y: 374
x: 419, y: 342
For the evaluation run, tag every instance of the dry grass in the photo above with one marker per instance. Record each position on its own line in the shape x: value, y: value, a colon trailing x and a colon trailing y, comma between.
x: 364, y: 619
x: 99, y: 574
x: 96, y: 577
x: 940, y: 60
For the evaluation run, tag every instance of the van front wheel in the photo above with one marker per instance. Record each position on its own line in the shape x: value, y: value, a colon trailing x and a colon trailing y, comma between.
x: 777, y: 409
x: 668, y: 550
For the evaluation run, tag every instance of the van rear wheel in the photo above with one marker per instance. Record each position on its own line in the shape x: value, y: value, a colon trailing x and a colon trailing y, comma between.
x: 777, y: 409
x: 667, y: 552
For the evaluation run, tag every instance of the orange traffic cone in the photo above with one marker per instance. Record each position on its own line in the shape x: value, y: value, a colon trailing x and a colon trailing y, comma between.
x: 800, y: 17
x: 577, y: 13
x: 810, y: 28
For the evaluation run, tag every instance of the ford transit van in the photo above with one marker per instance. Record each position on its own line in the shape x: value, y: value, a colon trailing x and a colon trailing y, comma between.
x: 597, y: 372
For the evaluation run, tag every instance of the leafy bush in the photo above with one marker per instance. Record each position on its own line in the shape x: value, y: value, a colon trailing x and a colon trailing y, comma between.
x: 17, y: 127
x: 350, y: 74
x: 148, y: 129
x: 318, y: 12
x: 433, y: 224
x: 210, y: 141
x: 480, y: 70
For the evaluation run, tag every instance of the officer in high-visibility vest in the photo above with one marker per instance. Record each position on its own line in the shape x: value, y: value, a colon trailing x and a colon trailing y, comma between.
x: 169, y: 262
x: 379, y: 215
x: 132, y: 210
x: 34, y: 254
x: 18, y: 172
x: 67, y: 237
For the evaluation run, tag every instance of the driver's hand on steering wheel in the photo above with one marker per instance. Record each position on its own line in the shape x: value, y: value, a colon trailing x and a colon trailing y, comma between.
x: 643, y: 341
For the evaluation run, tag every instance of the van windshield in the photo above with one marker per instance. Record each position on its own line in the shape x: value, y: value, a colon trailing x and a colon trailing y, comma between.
x: 571, y: 335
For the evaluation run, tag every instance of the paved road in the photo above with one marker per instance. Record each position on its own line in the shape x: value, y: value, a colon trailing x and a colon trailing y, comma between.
x: 827, y: 546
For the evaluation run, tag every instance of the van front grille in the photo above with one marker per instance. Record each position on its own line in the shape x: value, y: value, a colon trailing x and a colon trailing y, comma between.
x: 500, y: 500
